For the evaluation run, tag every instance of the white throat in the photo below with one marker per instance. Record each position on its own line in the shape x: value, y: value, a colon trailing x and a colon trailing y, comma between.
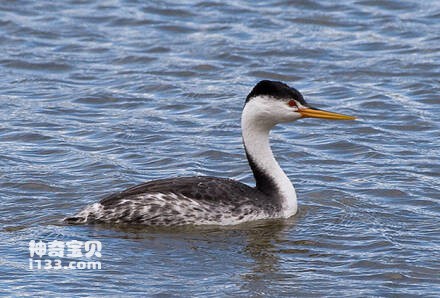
x: 256, y: 126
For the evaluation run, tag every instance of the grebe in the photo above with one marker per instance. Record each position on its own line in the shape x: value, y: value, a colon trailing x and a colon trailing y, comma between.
x: 219, y: 201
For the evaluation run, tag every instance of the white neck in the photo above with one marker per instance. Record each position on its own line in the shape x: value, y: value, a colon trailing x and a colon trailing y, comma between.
x: 255, y: 129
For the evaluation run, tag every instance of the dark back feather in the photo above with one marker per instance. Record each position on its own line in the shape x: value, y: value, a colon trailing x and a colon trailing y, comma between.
x: 202, y: 188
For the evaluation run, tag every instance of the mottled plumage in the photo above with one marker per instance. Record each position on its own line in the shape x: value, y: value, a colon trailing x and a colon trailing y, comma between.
x: 178, y: 201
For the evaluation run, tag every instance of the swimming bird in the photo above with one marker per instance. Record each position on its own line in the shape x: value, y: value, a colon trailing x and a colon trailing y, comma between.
x: 204, y: 200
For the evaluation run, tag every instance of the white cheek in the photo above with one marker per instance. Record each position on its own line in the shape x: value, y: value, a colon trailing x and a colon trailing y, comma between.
x: 268, y: 112
x: 289, y: 114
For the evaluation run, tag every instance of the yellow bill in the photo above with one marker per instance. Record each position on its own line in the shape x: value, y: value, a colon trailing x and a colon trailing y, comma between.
x: 312, y: 113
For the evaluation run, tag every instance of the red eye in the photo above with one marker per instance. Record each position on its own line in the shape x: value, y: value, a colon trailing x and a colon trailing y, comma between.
x: 292, y: 103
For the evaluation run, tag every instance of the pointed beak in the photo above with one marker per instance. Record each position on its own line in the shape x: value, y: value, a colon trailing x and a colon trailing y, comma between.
x: 312, y: 113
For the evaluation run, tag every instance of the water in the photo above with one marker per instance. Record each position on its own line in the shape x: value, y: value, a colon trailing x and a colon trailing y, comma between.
x: 99, y: 95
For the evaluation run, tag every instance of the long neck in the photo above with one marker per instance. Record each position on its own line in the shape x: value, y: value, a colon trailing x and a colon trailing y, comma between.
x: 270, y: 178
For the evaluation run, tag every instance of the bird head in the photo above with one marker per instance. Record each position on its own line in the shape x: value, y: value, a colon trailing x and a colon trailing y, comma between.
x: 273, y: 102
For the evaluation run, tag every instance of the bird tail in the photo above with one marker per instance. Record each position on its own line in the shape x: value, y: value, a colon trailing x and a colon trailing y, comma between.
x: 74, y: 220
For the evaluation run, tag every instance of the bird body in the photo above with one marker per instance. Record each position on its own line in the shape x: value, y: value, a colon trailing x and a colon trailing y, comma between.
x: 219, y: 201
x: 183, y: 201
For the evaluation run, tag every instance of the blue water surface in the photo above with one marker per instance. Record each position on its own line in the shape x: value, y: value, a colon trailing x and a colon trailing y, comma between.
x: 96, y: 96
